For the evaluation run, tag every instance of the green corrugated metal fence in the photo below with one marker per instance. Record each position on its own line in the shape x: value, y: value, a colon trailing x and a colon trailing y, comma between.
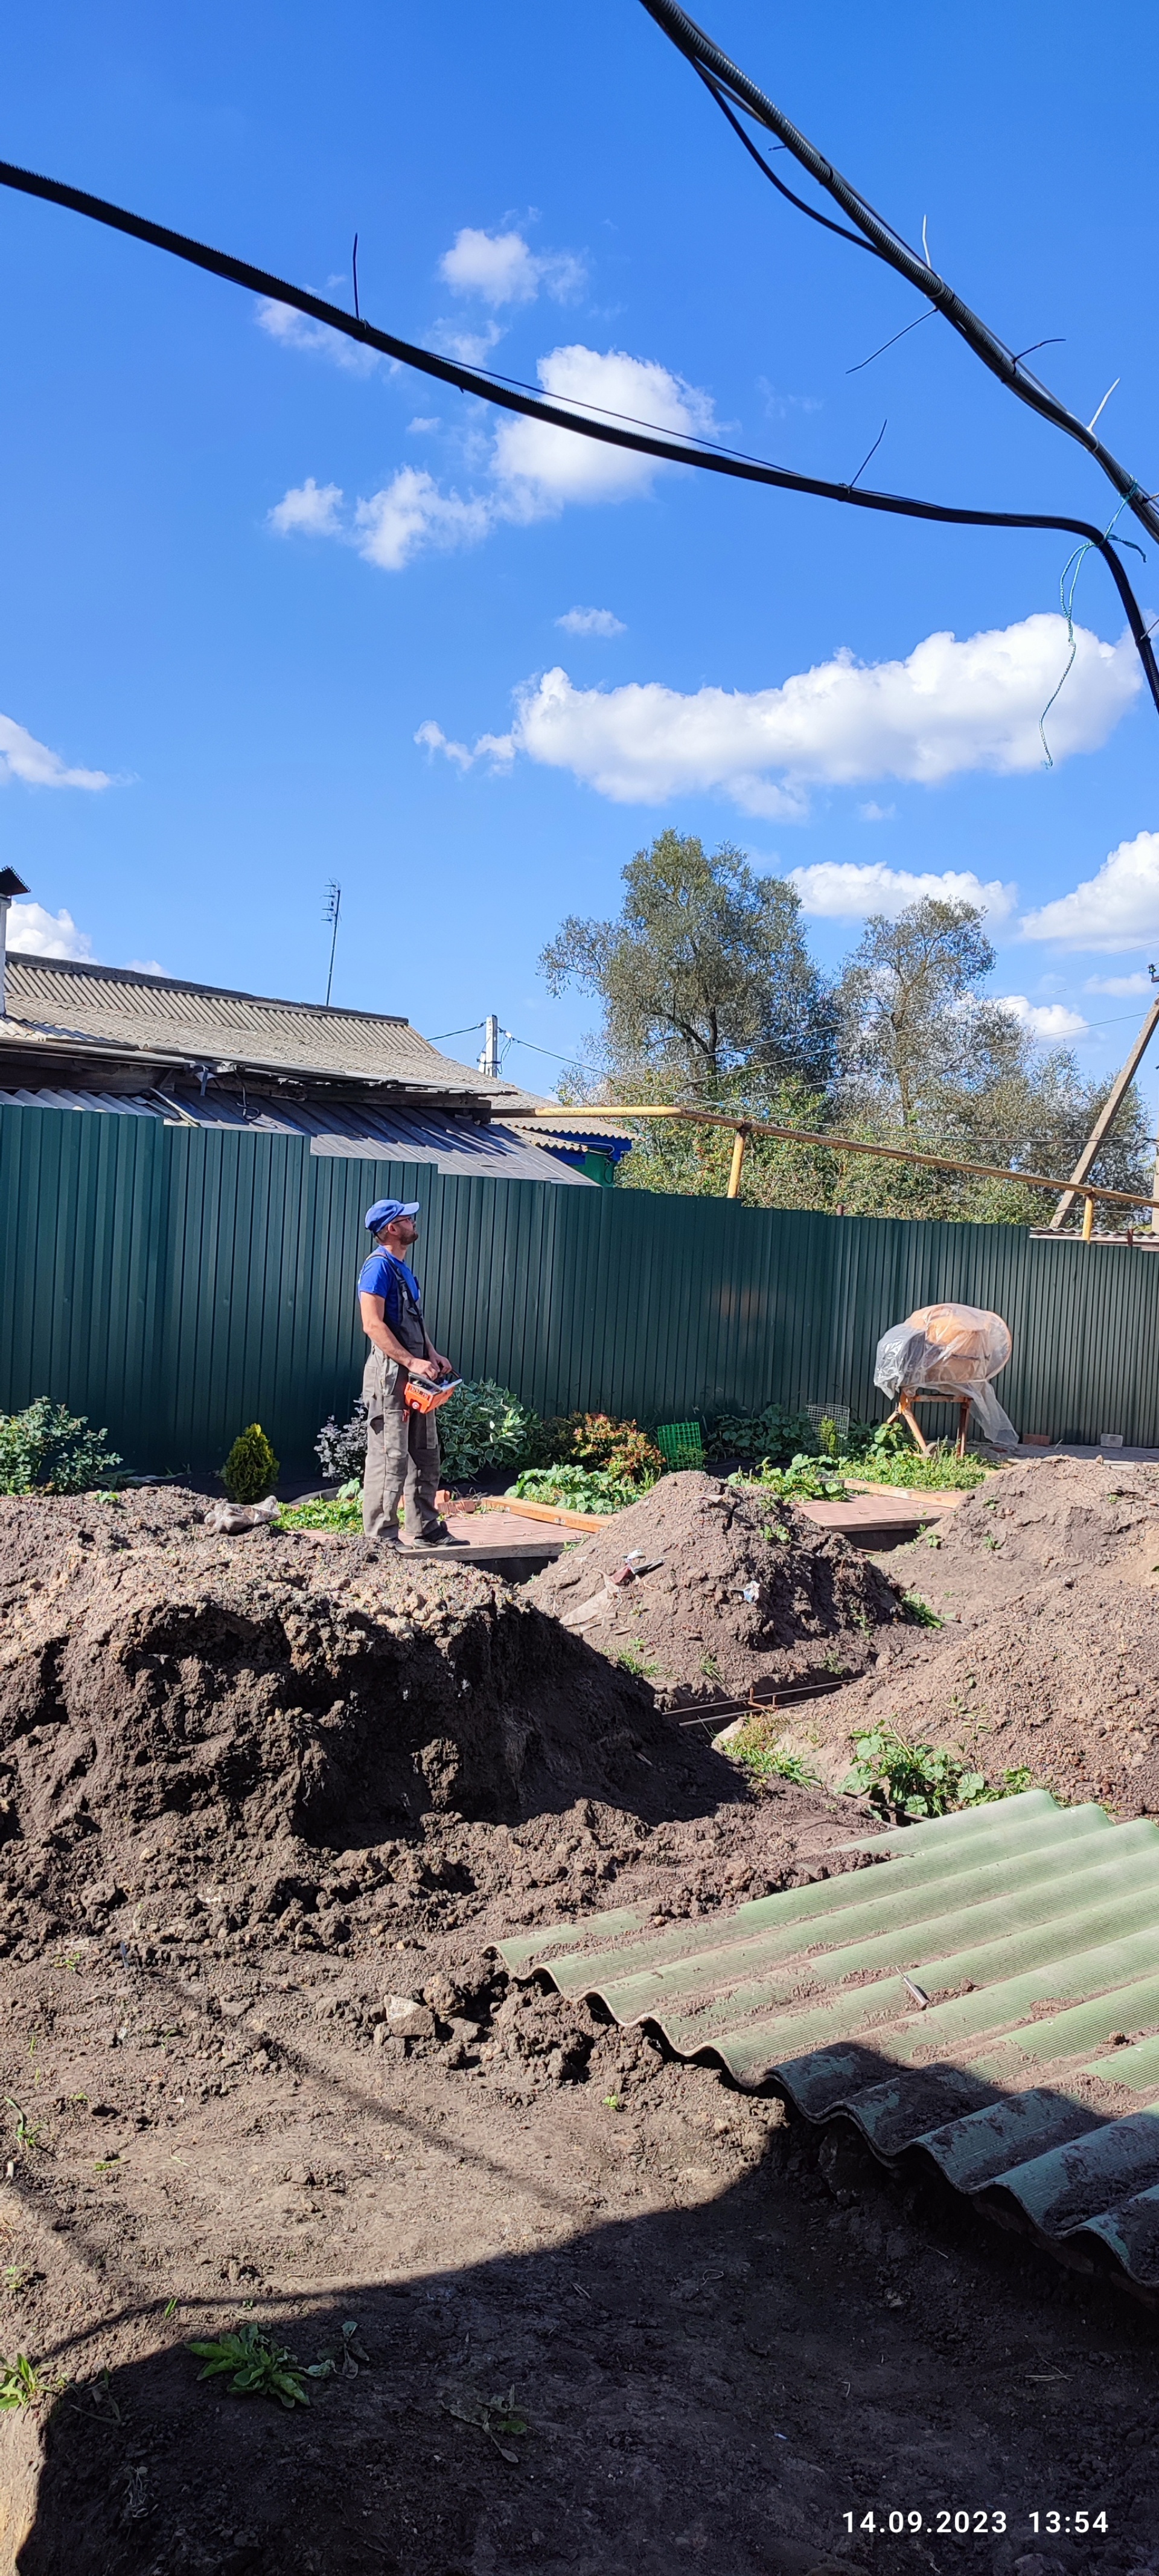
x: 177, y: 1282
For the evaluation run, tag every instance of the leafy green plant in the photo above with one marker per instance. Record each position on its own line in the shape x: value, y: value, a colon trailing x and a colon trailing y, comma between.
x: 906, y: 1781
x: 757, y: 1748
x: 621, y: 1449
x: 806, y: 1479
x: 20, y: 2382
x: 481, y: 1425
x: 598, y: 1441
x: 253, y: 2365
x: 27, y: 2131
x: 341, y: 1511
x: 492, y: 2415
x: 885, y: 1461
x: 579, y: 1489
x: 921, y: 1611
x: 251, y: 1469
x: 341, y: 1448
x: 775, y: 1434
x: 48, y: 1450
x: 634, y: 1662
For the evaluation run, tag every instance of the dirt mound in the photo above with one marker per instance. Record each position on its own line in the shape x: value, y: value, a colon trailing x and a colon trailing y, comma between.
x: 277, y: 1691
x: 739, y: 1588
x: 1053, y: 1516
x: 1047, y: 1580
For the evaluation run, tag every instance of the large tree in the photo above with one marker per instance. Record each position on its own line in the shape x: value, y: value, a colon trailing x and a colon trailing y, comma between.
x: 915, y: 1032
x: 927, y: 1058
x: 703, y: 976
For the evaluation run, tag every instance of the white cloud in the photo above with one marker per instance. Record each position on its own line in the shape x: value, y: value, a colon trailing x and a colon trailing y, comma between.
x: 834, y: 890
x: 143, y: 966
x: 33, y: 932
x: 533, y: 472
x: 949, y: 708
x: 419, y: 428
x: 1116, y: 909
x: 412, y: 513
x: 872, y: 813
x: 1119, y: 985
x: 1047, y: 1022
x: 542, y: 467
x: 591, y: 621
x: 21, y: 756
x: 294, y: 331
x: 500, y: 268
x: 310, y: 509
x: 473, y: 348
x: 498, y: 748
x: 778, y: 406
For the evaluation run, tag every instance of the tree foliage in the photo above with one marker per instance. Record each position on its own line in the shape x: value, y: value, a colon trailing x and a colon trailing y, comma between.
x: 914, y: 1030
x: 704, y: 971
x: 709, y: 996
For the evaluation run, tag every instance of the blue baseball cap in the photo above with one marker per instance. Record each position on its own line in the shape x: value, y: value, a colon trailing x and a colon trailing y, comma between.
x: 384, y: 1212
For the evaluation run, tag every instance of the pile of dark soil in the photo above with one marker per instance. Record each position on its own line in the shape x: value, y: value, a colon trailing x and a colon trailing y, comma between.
x: 1047, y: 1579
x: 740, y: 1588
x: 274, y: 1695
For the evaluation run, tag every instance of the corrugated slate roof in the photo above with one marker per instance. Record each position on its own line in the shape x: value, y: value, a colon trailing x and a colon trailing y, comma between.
x: 475, y: 1148
x: 117, y: 1006
x: 966, y: 2002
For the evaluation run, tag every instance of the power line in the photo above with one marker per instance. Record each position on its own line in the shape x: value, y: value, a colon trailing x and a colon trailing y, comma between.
x: 645, y: 439
x: 720, y: 75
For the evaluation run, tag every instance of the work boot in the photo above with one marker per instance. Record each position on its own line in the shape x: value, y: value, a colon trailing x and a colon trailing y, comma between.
x: 439, y: 1536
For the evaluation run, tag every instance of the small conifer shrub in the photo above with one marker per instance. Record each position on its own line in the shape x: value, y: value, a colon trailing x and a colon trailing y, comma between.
x: 251, y: 1469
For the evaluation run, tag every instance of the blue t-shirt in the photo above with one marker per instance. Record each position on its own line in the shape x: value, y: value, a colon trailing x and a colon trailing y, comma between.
x: 379, y: 1277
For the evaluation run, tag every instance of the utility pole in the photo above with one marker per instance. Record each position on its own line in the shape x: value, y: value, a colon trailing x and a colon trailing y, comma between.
x: 489, y: 1060
x: 330, y: 916
x: 1105, y: 1119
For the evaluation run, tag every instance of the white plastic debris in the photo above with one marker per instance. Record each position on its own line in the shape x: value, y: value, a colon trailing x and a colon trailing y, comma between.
x: 228, y: 1520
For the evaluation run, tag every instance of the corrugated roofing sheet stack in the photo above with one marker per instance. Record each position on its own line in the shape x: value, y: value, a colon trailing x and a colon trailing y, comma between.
x: 968, y: 2003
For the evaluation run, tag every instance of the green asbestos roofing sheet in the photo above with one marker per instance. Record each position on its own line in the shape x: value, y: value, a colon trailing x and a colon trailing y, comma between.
x: 981, y: 1991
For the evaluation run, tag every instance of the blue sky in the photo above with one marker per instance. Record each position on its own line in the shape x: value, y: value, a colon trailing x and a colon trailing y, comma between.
x: 243, y: 572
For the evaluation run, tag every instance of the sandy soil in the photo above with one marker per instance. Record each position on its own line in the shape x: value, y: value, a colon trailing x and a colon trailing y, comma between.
x: 260, y: 2065
x: 1047, y: 1579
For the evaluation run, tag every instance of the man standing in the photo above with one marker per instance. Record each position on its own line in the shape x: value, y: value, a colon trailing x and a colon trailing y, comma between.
x: 402, y: 1445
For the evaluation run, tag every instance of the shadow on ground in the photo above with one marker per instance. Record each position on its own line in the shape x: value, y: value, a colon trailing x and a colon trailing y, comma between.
x: 720, y: 2386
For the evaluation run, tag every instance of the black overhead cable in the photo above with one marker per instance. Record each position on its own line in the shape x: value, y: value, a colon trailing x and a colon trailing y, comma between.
x: 645, y: 439
x: 721, y: 75
x: 814, y: 213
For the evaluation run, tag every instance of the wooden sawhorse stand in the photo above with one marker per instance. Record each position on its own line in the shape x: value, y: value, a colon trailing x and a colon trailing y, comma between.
x: 904, y: 1409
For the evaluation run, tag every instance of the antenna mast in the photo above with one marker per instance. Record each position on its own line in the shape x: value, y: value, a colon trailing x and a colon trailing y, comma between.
x: 333, y: 908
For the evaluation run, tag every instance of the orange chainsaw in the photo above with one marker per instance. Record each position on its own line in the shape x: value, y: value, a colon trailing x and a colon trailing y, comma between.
x: 424, y: 1396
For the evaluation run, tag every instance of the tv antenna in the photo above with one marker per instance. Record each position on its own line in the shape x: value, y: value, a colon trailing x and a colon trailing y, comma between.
x: 330, y: 916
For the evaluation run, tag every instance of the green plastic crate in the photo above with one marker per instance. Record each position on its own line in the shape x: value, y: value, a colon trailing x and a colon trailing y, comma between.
x: 681, y: 1443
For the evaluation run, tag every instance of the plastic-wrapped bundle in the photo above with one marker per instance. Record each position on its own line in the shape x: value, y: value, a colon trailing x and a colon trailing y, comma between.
x: 949, y: 1351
